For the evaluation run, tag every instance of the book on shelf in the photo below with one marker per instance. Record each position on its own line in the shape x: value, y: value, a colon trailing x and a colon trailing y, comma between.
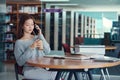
x: 8, y: 46
x: 9, y: 8
x: 28, y: 9
x: 7, y: 28
x: 9, y: 37
x: 7, y: 18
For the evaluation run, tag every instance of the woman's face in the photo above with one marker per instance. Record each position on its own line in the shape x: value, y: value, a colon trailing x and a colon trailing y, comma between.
x: 28, y: 26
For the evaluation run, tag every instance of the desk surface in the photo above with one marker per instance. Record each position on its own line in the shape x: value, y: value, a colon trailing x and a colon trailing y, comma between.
x: 47, y: 62
x: 110, y: 47
x: 106, y: 47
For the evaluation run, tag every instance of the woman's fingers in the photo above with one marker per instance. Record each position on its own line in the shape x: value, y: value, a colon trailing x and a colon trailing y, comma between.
x: 38, y: 28
x: 37, y: 44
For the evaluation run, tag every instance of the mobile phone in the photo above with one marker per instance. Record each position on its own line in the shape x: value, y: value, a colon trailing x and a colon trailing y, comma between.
x: 35, y: 30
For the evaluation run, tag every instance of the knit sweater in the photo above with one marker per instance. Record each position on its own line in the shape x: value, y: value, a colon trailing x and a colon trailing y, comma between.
x: 23, y: 52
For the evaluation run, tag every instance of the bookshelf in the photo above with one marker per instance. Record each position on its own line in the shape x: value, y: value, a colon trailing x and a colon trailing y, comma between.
x: 14, y: 10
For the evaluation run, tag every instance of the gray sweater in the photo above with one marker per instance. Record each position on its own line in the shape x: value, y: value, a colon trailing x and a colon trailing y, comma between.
x: 23, y: 52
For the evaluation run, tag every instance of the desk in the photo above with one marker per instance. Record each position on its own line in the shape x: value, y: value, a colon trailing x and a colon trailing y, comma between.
x: 69, y: 65
x: 110, y: 47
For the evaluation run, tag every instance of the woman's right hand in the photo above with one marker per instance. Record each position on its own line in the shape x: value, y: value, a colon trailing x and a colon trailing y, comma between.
x: 35, y: 44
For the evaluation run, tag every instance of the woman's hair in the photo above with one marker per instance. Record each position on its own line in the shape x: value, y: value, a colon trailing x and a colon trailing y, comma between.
x: 22, y: 20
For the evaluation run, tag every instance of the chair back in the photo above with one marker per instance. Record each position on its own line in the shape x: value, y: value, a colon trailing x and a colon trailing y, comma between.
x: 66, y: 48
x: 79, y: 40
x: 18, y: 70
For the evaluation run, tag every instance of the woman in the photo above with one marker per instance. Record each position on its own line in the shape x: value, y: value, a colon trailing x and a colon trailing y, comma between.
x: 28, y: 46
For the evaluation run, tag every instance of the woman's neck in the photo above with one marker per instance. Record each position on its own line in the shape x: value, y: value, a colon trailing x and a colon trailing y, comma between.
x: 27, y: 36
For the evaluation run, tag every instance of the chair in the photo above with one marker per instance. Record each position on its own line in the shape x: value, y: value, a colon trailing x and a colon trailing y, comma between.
x: 79, y: 40
x: 18, y: 71
x: 66, y: 48
x: 67, y: 51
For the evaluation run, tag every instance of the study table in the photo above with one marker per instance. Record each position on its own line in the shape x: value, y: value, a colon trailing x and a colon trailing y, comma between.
x: 69, y: 65
x: 110, y: 47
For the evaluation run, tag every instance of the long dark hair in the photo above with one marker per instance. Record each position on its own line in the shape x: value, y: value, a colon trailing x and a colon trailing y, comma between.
x: 22, y: 20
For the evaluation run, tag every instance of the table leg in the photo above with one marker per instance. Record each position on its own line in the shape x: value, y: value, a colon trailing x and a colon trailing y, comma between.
x: 103, y: 74
x: 90, y: 75
x: 77, y: 76
x: 70, y: 76
x: 108, y: 75
x: 58, y: 76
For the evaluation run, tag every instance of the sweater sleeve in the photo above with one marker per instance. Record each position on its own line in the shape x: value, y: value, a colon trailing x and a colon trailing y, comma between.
x: 21, y: 54
x: 46, y: 47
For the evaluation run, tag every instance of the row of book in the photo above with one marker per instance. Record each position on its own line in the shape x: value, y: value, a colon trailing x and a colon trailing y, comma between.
x: 8, y: 38
x: 6, y: 28
x: 9, y: 46
x: 23, y: 9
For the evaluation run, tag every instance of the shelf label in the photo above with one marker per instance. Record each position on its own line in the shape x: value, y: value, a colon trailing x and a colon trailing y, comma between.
x: 52, y: 10
x: 54, y: 0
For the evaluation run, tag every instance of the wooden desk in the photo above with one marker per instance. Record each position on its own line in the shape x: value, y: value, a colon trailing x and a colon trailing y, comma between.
x: 110, y: 47
x: 69, y: 65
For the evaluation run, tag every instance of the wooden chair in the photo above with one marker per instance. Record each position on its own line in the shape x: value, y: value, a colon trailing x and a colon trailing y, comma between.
x: 66, y: 48
x: 18, y: 71
x: 79, y: 40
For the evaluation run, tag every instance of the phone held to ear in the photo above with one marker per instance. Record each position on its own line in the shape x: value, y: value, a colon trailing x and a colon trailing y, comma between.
x: 35, y: 30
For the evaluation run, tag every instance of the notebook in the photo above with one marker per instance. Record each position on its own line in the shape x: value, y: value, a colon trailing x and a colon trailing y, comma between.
x: 106, y: 59
x: 56, y: 56
x: 65, y: 57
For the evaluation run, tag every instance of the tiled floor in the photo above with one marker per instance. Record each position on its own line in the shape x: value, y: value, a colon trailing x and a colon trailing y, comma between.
x: 7, y: 73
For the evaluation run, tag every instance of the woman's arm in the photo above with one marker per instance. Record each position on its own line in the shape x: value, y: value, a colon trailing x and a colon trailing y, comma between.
x: 46, y: 47
x: 21, y: 54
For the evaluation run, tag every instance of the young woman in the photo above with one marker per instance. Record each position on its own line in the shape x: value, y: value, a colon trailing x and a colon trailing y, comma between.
x: 28, y: 46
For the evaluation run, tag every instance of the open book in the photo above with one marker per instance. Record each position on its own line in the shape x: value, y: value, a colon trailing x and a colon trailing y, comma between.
x: 56, y: 56
x: 106, y: 59
x: 67, y: 57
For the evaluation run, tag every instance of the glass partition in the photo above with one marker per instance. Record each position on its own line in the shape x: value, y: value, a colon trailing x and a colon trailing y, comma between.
x: 93, y: 26
x: 103, y: 22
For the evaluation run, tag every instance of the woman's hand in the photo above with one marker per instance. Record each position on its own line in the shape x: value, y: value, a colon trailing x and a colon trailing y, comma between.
x: 40, y: 45
x: 38, y: 28
x: 37, y: 44
x: 34, y: 45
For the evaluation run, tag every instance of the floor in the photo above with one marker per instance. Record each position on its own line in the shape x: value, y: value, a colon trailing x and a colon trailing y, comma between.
x: 7, y: 73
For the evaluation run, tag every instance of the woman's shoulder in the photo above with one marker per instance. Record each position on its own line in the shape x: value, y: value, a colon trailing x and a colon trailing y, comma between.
x: 19, y: 41
x: 22, y: 40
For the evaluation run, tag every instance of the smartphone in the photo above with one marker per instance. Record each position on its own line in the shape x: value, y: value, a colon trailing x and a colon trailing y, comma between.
x: 35, y: 30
